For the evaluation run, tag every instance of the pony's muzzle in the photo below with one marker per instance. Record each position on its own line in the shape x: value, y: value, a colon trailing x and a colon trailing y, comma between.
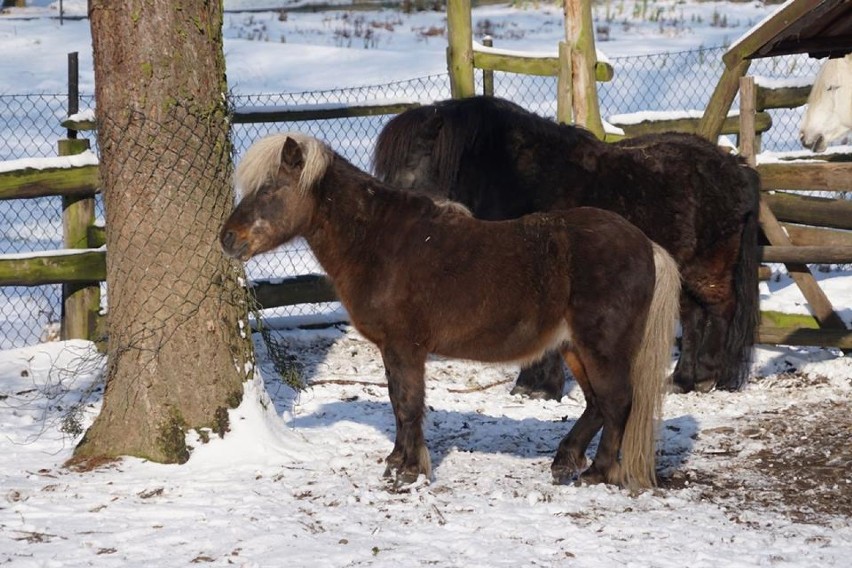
x: 231, y: 246
x: 817, y: 144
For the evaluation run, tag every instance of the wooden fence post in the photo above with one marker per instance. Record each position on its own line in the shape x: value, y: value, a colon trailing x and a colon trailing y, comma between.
x: 460, y: 49
x: 81, y: 302
x: 580, y: 37
x: 488, y: 74
x: 564, y: 96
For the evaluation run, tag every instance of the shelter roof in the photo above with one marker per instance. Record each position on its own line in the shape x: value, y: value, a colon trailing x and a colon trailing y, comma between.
x: 820, y: 28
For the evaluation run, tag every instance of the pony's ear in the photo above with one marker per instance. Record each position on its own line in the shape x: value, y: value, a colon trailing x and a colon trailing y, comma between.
x: 291, y: 154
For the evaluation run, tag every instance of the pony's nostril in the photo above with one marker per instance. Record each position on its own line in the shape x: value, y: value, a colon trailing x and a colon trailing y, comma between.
x: 227, y: 239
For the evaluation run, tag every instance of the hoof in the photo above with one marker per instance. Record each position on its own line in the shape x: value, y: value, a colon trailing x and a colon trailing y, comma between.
x: 535, y: 393
x: 566, y: 471
x: 403, y: 473
x: 591, y: 477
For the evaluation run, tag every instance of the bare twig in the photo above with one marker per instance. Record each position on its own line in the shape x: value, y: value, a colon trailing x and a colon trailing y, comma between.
x: 481, y: 387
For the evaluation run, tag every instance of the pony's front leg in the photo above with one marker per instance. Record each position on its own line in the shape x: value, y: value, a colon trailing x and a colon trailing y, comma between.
x: 404, y: 369
x: 693, y: 324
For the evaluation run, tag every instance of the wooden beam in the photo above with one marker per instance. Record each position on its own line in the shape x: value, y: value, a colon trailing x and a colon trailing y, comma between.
x: 782, y: 97
x: 841, y: 339
x: 79, y: 181
x: 808, y: 210
x: 731, y: 125
x: 803, y: 235
x: 36, y: 270
x: 305, y: 289
x: 541, y: 66
x: 317, y: 112
x: 720, y: 102
x: 822, y: 176
x: 807, y: 254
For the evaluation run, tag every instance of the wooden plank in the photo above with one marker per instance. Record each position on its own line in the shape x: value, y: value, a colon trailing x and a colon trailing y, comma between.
x: 79, y: 181
x: 316, y: 112
x: 781, y: 97
x: 809, y: 210
x: 305, y: 289
x: 79, y: 125
x: 541, y: 66
x: 772, y: 318
x: 807, y: 254
x: 803, y: 235
x: 731, y: 125
x: 36, y: 270
x: 822, y: 176
x: 841, y: 339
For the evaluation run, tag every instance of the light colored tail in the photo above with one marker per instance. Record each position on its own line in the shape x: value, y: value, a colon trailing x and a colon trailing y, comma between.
x: 648, y: 376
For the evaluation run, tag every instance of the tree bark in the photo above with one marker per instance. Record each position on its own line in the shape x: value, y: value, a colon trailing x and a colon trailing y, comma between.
x: 179, y: 348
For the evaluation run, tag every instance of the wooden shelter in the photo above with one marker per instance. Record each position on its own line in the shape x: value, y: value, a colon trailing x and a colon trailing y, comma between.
x: 819, y: 28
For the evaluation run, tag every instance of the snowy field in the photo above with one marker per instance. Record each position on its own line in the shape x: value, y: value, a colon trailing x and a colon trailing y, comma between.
x: 754, y: 478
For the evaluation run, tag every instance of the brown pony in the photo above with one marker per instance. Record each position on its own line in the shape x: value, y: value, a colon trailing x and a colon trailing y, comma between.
x: 417, y: 278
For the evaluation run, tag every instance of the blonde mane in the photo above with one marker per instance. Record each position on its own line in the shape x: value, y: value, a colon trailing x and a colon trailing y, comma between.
x: 262, y: 160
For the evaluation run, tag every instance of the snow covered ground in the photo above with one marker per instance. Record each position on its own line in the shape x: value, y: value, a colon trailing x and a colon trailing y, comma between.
x: 754, y: 478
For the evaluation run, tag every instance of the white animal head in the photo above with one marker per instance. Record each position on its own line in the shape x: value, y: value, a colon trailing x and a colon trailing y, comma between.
x: 829, y: 113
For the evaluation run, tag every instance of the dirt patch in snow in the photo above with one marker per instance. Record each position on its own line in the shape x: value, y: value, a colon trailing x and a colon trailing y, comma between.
x: 794, y: 461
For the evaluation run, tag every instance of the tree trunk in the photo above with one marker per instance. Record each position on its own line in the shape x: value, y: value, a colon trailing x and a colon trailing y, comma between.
x: 178, y: 342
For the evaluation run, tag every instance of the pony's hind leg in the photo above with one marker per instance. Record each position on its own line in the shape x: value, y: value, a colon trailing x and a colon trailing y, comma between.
x: 613, y: 392
x: 570, y: 459
x: 405, y: 375
x: 606, y: 386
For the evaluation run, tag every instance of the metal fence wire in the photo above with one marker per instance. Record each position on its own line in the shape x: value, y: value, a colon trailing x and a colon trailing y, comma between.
x: 30, y: 127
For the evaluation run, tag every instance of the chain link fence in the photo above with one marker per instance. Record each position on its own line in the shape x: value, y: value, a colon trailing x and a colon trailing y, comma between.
x: 30, y: 127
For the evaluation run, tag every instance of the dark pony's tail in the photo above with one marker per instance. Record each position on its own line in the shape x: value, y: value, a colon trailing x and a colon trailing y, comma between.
x: 742, y: 333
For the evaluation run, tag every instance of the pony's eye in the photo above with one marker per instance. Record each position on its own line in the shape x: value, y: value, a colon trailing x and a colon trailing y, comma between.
x: 832, y: 88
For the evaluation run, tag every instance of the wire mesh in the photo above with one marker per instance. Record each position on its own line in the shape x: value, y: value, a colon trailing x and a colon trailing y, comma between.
x: 30, y: 127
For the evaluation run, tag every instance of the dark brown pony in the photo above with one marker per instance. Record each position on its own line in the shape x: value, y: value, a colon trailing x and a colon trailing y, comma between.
x: 417, y: 278
x: 698, y: 203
